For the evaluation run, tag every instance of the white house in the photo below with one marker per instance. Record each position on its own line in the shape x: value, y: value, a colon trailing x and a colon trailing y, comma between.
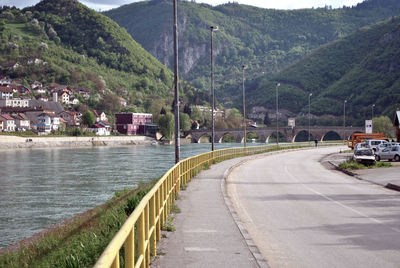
x: 6, y: 92
x: 48, y: 122
x: 8, y: 122
x: 21, y: 121
x: 14, y: 103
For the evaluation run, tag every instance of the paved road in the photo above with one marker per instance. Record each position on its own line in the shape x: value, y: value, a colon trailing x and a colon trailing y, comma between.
x: 300, y: 214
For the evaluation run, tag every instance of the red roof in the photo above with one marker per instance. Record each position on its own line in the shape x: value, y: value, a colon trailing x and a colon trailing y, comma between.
x: 6, y: 89
x: 7, y: 117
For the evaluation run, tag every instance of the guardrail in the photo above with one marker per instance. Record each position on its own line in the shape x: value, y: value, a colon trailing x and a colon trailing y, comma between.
x: 142, y: 230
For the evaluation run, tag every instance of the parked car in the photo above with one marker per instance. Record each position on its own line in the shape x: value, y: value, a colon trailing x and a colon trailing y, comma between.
x: 373, y: 144
x: 388, y: 153
x: 364, y: 156
x: 361, y: 145
x: 386, y: 145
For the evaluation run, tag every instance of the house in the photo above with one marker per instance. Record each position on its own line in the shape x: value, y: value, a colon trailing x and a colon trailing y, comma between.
x: 48, y: 122
x: 8, y: 122
x: 397, y: 124
x: 14, y: 102
x: 4, y: 81
x: 123, y: 102
x: 13, y: 66
x: 100, y: 115
x: 63, y: 96
x: 34, y: 61
x: 22, y: 122
x: 82, y: 91
x: 42, y: 97
x: 6, y: 92
x: 73, y: 100
x: 36, y: 84
x: 1, y: 125
x: 72, y: 118
x: 23, y: 90
x: 133, y: 123
x: 102, y: 128
x: 40, y: 90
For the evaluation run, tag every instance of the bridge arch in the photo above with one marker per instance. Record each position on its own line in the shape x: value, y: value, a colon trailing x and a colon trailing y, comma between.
x: 272, y: 137
x: 302, y: 136
x: 205, y: 138
x: 226, y: 137
x: 331, y: 136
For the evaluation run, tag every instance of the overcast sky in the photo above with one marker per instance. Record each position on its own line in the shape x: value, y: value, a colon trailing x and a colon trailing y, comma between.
x: 278, y: 4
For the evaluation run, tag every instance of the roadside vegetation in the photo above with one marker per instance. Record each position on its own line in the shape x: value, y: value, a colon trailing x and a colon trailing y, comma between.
x: 353, y: 165
x: 79, y: 241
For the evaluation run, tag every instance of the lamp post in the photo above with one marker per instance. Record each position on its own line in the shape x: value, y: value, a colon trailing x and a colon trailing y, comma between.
x: 176, y: 86
x: 213, y: 29
x: 244, y: 107
x: 344, y: 120
x: 309, y: 120
x: 277, y: 132
x: 373, y: 106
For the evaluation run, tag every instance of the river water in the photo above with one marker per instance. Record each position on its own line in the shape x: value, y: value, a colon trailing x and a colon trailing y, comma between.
x: 40, y: 187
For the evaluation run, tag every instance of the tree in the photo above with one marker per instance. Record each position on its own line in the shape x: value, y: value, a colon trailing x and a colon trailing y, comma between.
x: 184, y: 121
x: 267, y: 121
x: 166, y: 124
x: 88, y: 118
x: 110, y: 103
x: 383, y: 124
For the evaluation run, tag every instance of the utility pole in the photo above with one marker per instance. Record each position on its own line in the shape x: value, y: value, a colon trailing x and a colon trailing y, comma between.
x: 176, y: 87
x: 244, y: 108
x: 213, y: 29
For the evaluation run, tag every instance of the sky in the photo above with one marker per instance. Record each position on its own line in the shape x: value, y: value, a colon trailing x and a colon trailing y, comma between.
x: 102, y: 5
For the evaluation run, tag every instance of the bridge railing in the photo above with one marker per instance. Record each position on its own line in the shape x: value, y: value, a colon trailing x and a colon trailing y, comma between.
x: 142, y: 230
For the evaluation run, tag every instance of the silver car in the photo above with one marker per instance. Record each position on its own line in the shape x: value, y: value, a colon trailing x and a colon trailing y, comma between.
x: 388, y: 153
x: 364, y: 156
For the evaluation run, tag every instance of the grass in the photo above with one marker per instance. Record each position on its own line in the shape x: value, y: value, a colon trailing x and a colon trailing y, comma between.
x: 80, y: 241
x: 353, y: 165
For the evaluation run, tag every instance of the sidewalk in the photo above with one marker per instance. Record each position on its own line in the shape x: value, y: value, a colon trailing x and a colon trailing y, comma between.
x: 206, y: 233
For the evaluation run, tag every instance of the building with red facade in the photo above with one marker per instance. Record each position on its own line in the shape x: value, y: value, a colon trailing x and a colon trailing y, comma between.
x: 133, y: 123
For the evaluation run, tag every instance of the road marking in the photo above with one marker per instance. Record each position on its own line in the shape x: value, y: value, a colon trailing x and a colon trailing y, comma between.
x: 339, y: 203
x: 200, y: 249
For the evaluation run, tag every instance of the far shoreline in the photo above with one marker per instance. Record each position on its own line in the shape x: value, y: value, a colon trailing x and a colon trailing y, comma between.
x: 15, y: 142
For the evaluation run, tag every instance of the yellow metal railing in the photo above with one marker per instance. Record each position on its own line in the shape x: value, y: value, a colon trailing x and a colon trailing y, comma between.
x: 142, y: 229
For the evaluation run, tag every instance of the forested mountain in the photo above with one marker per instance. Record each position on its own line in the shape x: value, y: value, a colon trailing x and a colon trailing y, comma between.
x: 81, y: 48
x: 267, y: 40
x: 363, y: 68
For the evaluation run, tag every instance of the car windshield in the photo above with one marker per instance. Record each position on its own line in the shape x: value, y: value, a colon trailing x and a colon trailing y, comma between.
x: 364, y: 152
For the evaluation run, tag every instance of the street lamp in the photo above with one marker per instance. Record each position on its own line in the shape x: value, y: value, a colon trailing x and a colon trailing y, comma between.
x: 373, y: 106
x: 176, y: 86
x: 344, y: 120
x: 309, y: 108
x: 244, y: 108
x: 277, y: 133
x: 213, y: 29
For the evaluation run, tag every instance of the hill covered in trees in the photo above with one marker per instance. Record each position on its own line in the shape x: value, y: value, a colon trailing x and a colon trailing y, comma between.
x: 81, y: 48
x: 266, y: 40
x: 362, y: 68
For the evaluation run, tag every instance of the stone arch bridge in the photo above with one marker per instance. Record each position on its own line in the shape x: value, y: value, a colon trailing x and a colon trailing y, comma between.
x: 319, y: 133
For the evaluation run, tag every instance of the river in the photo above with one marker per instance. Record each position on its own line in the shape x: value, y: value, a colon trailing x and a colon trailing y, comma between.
x: 41, y: 187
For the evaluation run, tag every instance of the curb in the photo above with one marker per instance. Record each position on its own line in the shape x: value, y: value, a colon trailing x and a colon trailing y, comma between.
x: 390, y: 186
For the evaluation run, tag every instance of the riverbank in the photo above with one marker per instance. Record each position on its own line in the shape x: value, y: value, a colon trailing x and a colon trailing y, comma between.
x: 14, y: 142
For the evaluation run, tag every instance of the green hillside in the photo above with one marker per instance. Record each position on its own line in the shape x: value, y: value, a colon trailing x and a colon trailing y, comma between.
x: 363, y: 68
x: 82, y: 48
x: 266, y: 40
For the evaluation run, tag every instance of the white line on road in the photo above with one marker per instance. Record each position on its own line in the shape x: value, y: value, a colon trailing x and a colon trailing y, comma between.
x: 339, y: 203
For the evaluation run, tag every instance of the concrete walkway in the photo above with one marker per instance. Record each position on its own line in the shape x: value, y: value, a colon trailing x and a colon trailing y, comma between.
x: 207, y: 234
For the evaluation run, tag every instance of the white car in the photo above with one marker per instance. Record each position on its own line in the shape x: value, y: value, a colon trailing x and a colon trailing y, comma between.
x: 374, y: 144
x: 364, y: 156
x: 389, y: 153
